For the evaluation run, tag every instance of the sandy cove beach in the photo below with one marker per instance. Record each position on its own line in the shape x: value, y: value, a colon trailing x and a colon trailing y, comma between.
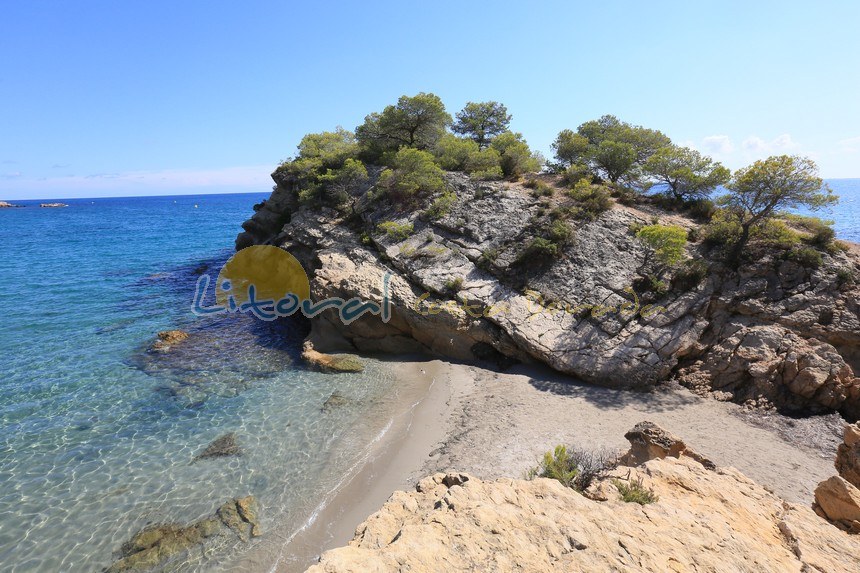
x: 498, y: 424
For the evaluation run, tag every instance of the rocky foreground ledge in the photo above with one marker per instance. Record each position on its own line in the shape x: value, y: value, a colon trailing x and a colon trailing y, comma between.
x: 704, y: 518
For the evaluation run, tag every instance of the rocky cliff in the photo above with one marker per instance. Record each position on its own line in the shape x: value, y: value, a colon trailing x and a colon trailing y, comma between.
x: 464, y: 286
x: 702, y: 518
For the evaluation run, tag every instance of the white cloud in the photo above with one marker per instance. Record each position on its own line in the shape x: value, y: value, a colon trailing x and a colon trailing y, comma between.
x: 850, y: 145
x: 721, y: 144
x: 756, y: 147
x: 245, y: 178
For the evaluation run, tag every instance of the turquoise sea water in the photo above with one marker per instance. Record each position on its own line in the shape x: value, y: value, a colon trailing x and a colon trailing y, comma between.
x: 97, y: 435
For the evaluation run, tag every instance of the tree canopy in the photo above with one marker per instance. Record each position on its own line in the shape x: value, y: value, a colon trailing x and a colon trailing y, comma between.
x: 769, y: 185
x: 685, y: 173
x: 418, y: 121
x: 481, y: 122
x: 612, y: 149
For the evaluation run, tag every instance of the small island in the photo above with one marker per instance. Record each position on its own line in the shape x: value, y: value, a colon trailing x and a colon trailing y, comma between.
x: 53, y: 205
x: 6, y: 205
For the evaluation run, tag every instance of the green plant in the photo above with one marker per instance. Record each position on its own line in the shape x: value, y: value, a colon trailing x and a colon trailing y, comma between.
x: 845, y: 276
x: 635, y: 492
x: 558, y: 232
x: 805, y: 257
x: 488, y: 258
x: 414, y: 173
x: 724, y: 229
x: 442, y: 205
x: 701, y: 209
x: 667, y: 241
x: 576, y: 173
x: 776, y: 234
x: 539, y: 188
x: 516, y: 159
x: 574, y: 467
x: 453, y: 152
x: 454, y: 285
x: 592, y: 200
x: 651, y: 284
x: 484, y: 164
x: 482, y: 121
x: 539, y: 248
x: 690, y: 274
x: 418, y: 122
x: 365, y: 238
x: 394, y: 230
x: 694, y: 234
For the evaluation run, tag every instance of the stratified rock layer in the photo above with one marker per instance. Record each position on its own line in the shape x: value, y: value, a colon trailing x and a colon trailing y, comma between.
x: 703, y: 520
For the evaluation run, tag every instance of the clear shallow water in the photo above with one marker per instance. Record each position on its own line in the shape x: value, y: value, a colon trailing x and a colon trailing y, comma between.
x: 97, y: 436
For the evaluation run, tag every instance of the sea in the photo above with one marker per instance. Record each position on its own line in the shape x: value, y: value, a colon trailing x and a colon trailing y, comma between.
x: 99, y: 435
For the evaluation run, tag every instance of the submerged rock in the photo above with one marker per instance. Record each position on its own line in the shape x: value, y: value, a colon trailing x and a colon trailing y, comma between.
x: 154, y: 545
x: 331, y: 362
x: 224, y: 446
x: 169, y: 338
x: 52, y: 205
x: 336, y: 400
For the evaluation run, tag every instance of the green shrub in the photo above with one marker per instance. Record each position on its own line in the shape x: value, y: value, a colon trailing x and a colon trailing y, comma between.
x: 414, y: 173
x: 773, y: 233
x: 452, y: 152
x: 592, y: 200
x: 516, y: 159
x: 484, y: 164
x: 442, y: 205
x: 650, y: 284
x: 690, y: 274
x: 635, y: 492
x: 576, y: 173
x: 805, y: 257
x: 488, y: 258
x: 694, y: 234
x: 453, y: 286
x: 667, y: 241
x: 723, y: 230
x: 821, y: 231
x: 539, y: 248
x: 365, y: 238
x: 558, y: 232
x: 845, y: 276
x: 574, y: 468
x: 539, y: 188
x: 701, y: 209
x: 394, y: 230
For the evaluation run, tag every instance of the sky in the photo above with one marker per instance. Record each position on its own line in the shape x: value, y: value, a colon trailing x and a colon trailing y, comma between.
x: 137, y: 98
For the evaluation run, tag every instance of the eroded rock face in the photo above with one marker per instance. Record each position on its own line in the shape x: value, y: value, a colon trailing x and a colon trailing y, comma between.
x: 704, y: 520
x: 157, y: 544
x: 773, y: 331
x: 848, y: 455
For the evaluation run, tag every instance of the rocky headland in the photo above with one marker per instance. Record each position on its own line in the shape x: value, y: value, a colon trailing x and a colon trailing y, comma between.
x: 775, y: 331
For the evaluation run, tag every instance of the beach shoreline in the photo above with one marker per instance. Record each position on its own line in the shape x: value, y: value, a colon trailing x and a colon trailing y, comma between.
x: 497, y: 424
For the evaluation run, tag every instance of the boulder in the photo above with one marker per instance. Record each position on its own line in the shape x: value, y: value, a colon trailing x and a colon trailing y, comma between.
x: 331, y: 362
x: 839, y: 501
x: 224, y: 446
x: 648, y: 441
x: 167, y: 339
x: 848, y: 455
x: 155, y: 545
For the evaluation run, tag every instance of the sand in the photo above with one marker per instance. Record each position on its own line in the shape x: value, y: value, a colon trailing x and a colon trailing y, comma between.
x: 493, y: 424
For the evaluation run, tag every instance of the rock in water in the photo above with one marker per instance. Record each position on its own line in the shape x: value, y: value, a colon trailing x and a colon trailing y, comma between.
x: 336, y: 400
x: 329, y: 362
x: 154, y: 545
x: 168, y: 338
x: 226, y: 445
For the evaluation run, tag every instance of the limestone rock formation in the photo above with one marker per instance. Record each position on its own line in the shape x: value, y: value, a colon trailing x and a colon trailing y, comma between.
x: 703, y: 520
x: 838, y: 498
x: 848, y: 455
x: 155, y: 545
x: 772, y: 331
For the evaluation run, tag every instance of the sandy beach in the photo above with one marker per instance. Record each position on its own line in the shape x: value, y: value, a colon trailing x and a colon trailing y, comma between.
x: 498, y: 424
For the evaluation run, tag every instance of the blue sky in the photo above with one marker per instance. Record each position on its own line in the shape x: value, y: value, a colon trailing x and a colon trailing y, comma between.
x: 134, y: 98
